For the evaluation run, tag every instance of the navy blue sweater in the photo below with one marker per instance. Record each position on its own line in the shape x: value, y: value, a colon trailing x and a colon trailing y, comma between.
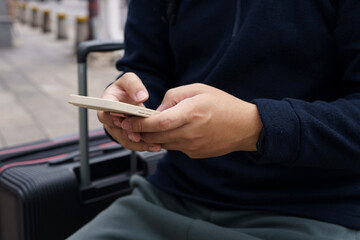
x: 299, y: 62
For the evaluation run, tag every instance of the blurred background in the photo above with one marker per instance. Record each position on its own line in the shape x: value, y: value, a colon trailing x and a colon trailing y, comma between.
x: 38, y: 70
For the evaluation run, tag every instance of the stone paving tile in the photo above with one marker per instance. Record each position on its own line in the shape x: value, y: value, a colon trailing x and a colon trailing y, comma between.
x: 36, y: 77
x: 15, y: 117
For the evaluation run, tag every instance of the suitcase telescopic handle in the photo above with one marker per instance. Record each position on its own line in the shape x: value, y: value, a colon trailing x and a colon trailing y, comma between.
x: 84, y: 48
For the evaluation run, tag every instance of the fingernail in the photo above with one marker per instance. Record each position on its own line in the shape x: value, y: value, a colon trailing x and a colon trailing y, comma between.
x: 116, y: 122
x: 133, y: 137
x: 141, y: 95
x: 154, y: 148
x: 126, y: 125
x: 160, y: 108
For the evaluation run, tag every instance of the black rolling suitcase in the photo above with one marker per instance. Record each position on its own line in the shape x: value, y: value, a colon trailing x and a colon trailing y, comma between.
x: 50, y: 189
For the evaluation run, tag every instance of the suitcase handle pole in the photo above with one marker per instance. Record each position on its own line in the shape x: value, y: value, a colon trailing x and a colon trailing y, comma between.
x: 83, y: 50
x: 83, y: 128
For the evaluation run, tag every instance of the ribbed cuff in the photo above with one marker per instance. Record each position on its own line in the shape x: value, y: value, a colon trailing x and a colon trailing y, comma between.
x: 282, y: 132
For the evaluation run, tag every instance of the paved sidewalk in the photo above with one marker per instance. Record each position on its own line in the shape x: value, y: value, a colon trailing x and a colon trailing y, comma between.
x: 36, y: 77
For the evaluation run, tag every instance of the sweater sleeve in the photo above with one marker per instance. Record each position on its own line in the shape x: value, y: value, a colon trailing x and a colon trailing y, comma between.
x: 147, y: 50
x: 320, y: 134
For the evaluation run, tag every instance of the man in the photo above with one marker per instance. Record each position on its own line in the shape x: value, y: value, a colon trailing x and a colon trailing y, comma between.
x: 260, y: 112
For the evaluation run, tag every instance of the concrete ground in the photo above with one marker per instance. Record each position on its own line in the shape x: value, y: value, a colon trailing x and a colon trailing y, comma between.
x: 36, y: 77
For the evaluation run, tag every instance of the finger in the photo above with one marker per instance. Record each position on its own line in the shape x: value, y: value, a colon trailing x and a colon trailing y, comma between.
x: 135, y: 137
x: 176, y: 95
x: 159, y: 137
x: 133, y: 86
x: 107, y: 119
x: 152, y: 147
x: 104, y: 118
x: 121, y: 136
x: 169, y: 119
x: 118, y: 115
x: 177, y: 135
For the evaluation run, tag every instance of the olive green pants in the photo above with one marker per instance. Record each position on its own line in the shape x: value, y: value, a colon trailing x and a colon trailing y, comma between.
x: 150, y: 214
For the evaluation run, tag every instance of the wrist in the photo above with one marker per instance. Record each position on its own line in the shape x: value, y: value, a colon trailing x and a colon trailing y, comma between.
x: 256, y: 142
x: 250, y: 130
x: 260, y: 144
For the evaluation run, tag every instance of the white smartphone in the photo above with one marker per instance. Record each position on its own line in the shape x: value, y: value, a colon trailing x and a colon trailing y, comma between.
x: 110, y: 106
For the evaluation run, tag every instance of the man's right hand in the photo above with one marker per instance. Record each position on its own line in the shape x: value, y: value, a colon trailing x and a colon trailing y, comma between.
x: 129, y: 89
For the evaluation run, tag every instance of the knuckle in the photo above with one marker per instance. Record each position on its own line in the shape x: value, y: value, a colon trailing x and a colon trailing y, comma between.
x: 196, y: 149
x: 164, y: 124
x: 130, y: 75
x: 136, y: 126
x: 170, y: 93
x: 126, y: 79
x: 191, y: 137
x: 195, y: 116
x: 127, y: 76
x: 200, y: 86
x: 197, y: 84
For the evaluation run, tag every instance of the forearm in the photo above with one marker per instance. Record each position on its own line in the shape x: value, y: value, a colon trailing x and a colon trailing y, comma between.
x: 323, y: 133
x: 318, y: 134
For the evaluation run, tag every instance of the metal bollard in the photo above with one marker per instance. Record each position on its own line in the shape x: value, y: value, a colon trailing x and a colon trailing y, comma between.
x: 82, y: 30
x: 46, y: 23
x: 62, y: 26
x: 35, y: 17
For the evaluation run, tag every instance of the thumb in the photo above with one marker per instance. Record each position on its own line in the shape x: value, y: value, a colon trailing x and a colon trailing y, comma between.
x: 133, y: 86
x: 178, y: 94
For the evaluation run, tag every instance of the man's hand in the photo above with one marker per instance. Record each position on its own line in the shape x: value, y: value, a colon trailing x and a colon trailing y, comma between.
x: 128, y: 89
x: 200, y: 121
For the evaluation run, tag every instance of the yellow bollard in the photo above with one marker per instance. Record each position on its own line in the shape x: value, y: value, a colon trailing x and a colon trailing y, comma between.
x: 82, y: 29
x: 35, y: 17
x: 46, y: 23
x: 62, y: 26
